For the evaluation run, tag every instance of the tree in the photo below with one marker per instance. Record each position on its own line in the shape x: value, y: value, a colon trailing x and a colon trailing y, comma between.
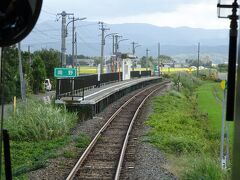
x: 51, y: 60
x: 165, y: 59
x: 143, y: 62
x: 39, y: 74
x: 10, y: 73
x: 223, y: 67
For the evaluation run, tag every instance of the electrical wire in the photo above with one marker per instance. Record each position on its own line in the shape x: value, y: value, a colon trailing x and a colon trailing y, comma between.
x: 49, y: 13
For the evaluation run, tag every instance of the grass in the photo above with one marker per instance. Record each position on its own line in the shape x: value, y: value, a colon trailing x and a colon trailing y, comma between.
x: 35, y: 120
x: 208, y: 103
x: 40, y: 132
x: 29, y: 156
x: 185, y: 127
x: 82, y: 141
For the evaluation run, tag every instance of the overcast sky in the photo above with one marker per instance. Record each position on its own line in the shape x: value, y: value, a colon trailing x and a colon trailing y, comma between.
x: 173, y: 13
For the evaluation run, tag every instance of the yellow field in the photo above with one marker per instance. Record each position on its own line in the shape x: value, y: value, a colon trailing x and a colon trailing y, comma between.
x: 93, y: 70
x: 166, y: 70
x: 87, y: 70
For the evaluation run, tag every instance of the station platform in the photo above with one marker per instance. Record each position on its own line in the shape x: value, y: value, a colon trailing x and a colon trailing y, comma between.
x: 96, y: 99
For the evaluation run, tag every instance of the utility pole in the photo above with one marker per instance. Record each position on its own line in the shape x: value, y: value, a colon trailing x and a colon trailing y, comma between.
x: 75, y: 41
x: 158, y: 59
x: 133, y: 47
x: 22, y: 84
x: 63, y: 37
x: 147, y: 64
x: 198, y: 59
x: 73, y: 34
x: 103, y: 29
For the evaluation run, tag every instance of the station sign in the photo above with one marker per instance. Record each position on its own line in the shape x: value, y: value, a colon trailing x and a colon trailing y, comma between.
x: 65, y: 72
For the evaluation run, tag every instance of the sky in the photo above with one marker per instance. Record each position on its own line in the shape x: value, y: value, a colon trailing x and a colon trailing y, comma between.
x: 172, y: 13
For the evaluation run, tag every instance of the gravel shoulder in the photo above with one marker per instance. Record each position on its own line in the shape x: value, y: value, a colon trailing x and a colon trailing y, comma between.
x: 150, y: 163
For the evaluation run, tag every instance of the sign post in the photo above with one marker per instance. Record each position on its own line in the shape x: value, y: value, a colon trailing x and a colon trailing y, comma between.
x: 65, y: 72
x: 224, y: 154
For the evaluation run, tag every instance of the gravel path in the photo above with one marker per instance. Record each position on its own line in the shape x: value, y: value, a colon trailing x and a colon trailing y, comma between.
x: 149, y: 161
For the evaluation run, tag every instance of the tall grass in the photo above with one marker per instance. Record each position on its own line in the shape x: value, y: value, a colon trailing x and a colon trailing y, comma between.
x: 206, y: 169
x: 188, y: 81
x: 36, y: 121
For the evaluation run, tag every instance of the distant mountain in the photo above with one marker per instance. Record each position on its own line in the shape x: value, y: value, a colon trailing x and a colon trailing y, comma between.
x: 174, y: 41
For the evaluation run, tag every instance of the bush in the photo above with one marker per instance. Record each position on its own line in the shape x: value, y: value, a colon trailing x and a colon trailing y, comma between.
x: 36, y: 121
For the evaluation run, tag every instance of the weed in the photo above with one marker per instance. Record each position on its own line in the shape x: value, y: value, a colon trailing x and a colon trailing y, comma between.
x: 82, y: 141
x: 69, y: 154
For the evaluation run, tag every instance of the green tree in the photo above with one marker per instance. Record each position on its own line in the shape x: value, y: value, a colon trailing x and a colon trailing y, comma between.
x: 165, y: 59
x: 51, y: 59
x: 222, y: 67
x: 39, y: 74
x: 10, y: 73
x: 143, y: 62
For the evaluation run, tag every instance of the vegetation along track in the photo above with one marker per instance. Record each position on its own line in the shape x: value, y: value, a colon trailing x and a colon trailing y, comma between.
x: 104, y: 156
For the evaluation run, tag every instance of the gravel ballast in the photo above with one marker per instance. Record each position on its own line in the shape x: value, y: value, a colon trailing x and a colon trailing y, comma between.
x: 149, y: 163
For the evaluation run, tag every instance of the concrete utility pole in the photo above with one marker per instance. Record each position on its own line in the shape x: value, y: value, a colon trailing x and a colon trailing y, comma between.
x: 158, y: 59
x: 63, y: 37
x: 198, y: 59
x: 147, y: 64
x: 75, y: 41
x: 103, y: 29
x: 73, y: 34
x: 133, y: 47
x: 22, y: 83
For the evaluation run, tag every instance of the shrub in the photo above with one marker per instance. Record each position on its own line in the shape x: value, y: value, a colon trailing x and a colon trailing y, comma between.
x: 35, y: 120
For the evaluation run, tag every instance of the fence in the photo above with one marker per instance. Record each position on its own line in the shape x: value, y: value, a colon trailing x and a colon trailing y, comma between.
x: 74, y: 87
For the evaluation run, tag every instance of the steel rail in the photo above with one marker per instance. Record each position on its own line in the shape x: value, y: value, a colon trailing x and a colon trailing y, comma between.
x: 95, y: 139
x: 120, y: 162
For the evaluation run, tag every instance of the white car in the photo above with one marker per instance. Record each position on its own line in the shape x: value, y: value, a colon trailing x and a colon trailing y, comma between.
x: 47, y: 85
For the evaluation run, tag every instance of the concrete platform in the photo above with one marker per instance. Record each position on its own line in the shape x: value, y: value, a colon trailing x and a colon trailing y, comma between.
x: 96, y: 99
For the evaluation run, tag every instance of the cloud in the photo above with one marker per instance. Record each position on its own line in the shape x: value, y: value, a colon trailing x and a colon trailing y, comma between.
x: 174, y: 13
x: 200, y: 15
x: 115, y: 8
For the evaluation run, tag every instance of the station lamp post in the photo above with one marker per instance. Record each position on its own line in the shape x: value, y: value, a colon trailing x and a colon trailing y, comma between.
x: 134, y: 49
x: 113, y: 36
x: 73, y: 34
x: 117, y: 44
x: 232, y: 56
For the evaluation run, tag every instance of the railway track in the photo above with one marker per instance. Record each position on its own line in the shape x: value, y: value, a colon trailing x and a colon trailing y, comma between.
x: 103, y: 158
